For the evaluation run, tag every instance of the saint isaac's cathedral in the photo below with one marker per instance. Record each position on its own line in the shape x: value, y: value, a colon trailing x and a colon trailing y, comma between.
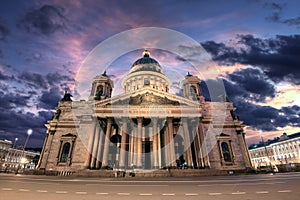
x: 144, y: 129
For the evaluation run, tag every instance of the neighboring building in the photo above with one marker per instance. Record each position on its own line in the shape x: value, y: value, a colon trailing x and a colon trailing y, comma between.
x: 17, y: 159
x: 144, y: 128
x: 13, y: 159
x: 4, y: 147
x: 281, y: 150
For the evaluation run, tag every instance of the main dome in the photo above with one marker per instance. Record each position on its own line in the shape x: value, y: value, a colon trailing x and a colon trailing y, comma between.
x: 146, y: 64
x: 145, y: 71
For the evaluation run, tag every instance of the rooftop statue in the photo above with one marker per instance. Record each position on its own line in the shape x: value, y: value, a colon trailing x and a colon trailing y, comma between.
x: 67, y: 97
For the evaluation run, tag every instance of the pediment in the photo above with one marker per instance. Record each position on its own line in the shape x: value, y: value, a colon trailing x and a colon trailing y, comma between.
x: 146, y: 97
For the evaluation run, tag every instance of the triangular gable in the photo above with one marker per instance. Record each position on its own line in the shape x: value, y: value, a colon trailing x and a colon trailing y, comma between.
x: 147, y: 96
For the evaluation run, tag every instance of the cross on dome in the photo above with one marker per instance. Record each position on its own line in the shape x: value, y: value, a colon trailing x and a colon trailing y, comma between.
x: 146, y: 53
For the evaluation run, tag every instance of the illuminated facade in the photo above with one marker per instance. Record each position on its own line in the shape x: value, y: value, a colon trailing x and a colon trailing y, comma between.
x: 144, y: 128
x: 282, y: 150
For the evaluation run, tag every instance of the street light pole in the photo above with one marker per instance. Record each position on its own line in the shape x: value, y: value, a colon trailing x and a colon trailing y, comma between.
x: 14, y: 145
x: 29, y: 132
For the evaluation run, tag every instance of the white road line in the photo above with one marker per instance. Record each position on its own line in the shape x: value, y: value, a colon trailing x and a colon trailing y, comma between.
x: 7, y: 189
x: 238, y: 193
x: 123, y: 193
x: 81, y: 192
x: 101, y: 193
x: 283, y: 191
x: 130, y: 185
x: 61, y: 192
x: 42, y: 191
x: 145, y: 194
x: 262, y: 192
x: 191, y: 194
x: 168, y: 194
x: 213, y: 194
x: 23, y: 190
x: 234, y: 184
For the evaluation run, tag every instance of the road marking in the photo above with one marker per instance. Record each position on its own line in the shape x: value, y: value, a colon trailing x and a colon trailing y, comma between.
x: 168, y: 194
x: 123, y: 193
x: 283, y: 191
x: 262, y: 192
x: 101, y: 193
x: 23, y: 190
x: 42, y: 191
x: 145, y: 194
x: 213, y: 194
x: 81, y: 192
x: 238, y: 193
x: 191, y: 194
x: 234, y: 184
x: 130, y: 185
x: 7, y: 189
x: 61, y: 192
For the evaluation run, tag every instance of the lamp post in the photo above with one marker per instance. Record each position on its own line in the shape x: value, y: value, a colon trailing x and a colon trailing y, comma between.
x: 16, y: 139
x: 29, y: 132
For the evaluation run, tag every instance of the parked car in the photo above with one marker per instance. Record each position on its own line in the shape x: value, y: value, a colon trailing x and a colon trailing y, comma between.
x: 267, y: 169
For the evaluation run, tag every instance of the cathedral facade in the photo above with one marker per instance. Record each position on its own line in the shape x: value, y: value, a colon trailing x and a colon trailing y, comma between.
x: 144, y: 129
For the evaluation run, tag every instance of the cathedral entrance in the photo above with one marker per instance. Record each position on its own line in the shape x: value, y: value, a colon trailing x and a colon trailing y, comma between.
x: 147, y: 148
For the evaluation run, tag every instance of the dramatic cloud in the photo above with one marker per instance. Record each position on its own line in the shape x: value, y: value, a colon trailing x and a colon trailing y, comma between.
x: 45, y: 20
x: 21, y: 123
x: 267, y: 118
x: 246, y: 87
x: 49, y: 99
x: 32, y: 106
x: 12, y: 101
x: 253, y: 82
x: 34, y: 80
x: 40, y: 81
x: 5, y: 77
x: 278, y: 57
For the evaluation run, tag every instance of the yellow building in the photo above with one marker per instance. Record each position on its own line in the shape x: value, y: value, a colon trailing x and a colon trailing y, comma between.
x: 282, y: 150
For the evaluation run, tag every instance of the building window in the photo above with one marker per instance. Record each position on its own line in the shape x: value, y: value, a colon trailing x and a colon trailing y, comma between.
x: 226, y: 152
x: 65, y: 152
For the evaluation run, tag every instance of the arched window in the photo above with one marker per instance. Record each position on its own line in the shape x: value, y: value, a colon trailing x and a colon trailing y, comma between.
x: 65, y: 152
x: 226, y: 152
x: 193, y: 89
x: 99, y: 92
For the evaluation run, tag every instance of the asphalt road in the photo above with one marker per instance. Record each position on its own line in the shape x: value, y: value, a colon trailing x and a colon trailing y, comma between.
x: 275, y: 187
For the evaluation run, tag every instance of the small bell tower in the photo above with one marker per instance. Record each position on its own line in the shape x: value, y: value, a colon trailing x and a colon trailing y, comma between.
x: 190, y: 87
x: 102, y: 87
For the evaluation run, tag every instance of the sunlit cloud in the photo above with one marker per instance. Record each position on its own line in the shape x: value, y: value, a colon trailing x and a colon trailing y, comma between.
x: 255, y: 136
x: 286, y: 94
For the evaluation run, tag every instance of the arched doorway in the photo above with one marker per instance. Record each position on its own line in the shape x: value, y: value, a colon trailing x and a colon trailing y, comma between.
x: 114, y: 151
x: 179, y: 150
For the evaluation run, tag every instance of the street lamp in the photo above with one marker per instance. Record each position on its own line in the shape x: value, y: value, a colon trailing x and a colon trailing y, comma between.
x: 29, y: 132
x: 16, y: 139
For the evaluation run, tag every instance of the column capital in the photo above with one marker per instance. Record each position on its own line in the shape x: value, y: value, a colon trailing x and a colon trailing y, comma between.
x: 109, y: 120
x: 154, y: 119
x: 125, y: 120
x: 169, y: 119
x: 184, y: 119
x: 140, y: 119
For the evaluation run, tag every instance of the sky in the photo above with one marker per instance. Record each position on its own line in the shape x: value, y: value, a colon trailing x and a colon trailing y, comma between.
x: 255, y: 45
